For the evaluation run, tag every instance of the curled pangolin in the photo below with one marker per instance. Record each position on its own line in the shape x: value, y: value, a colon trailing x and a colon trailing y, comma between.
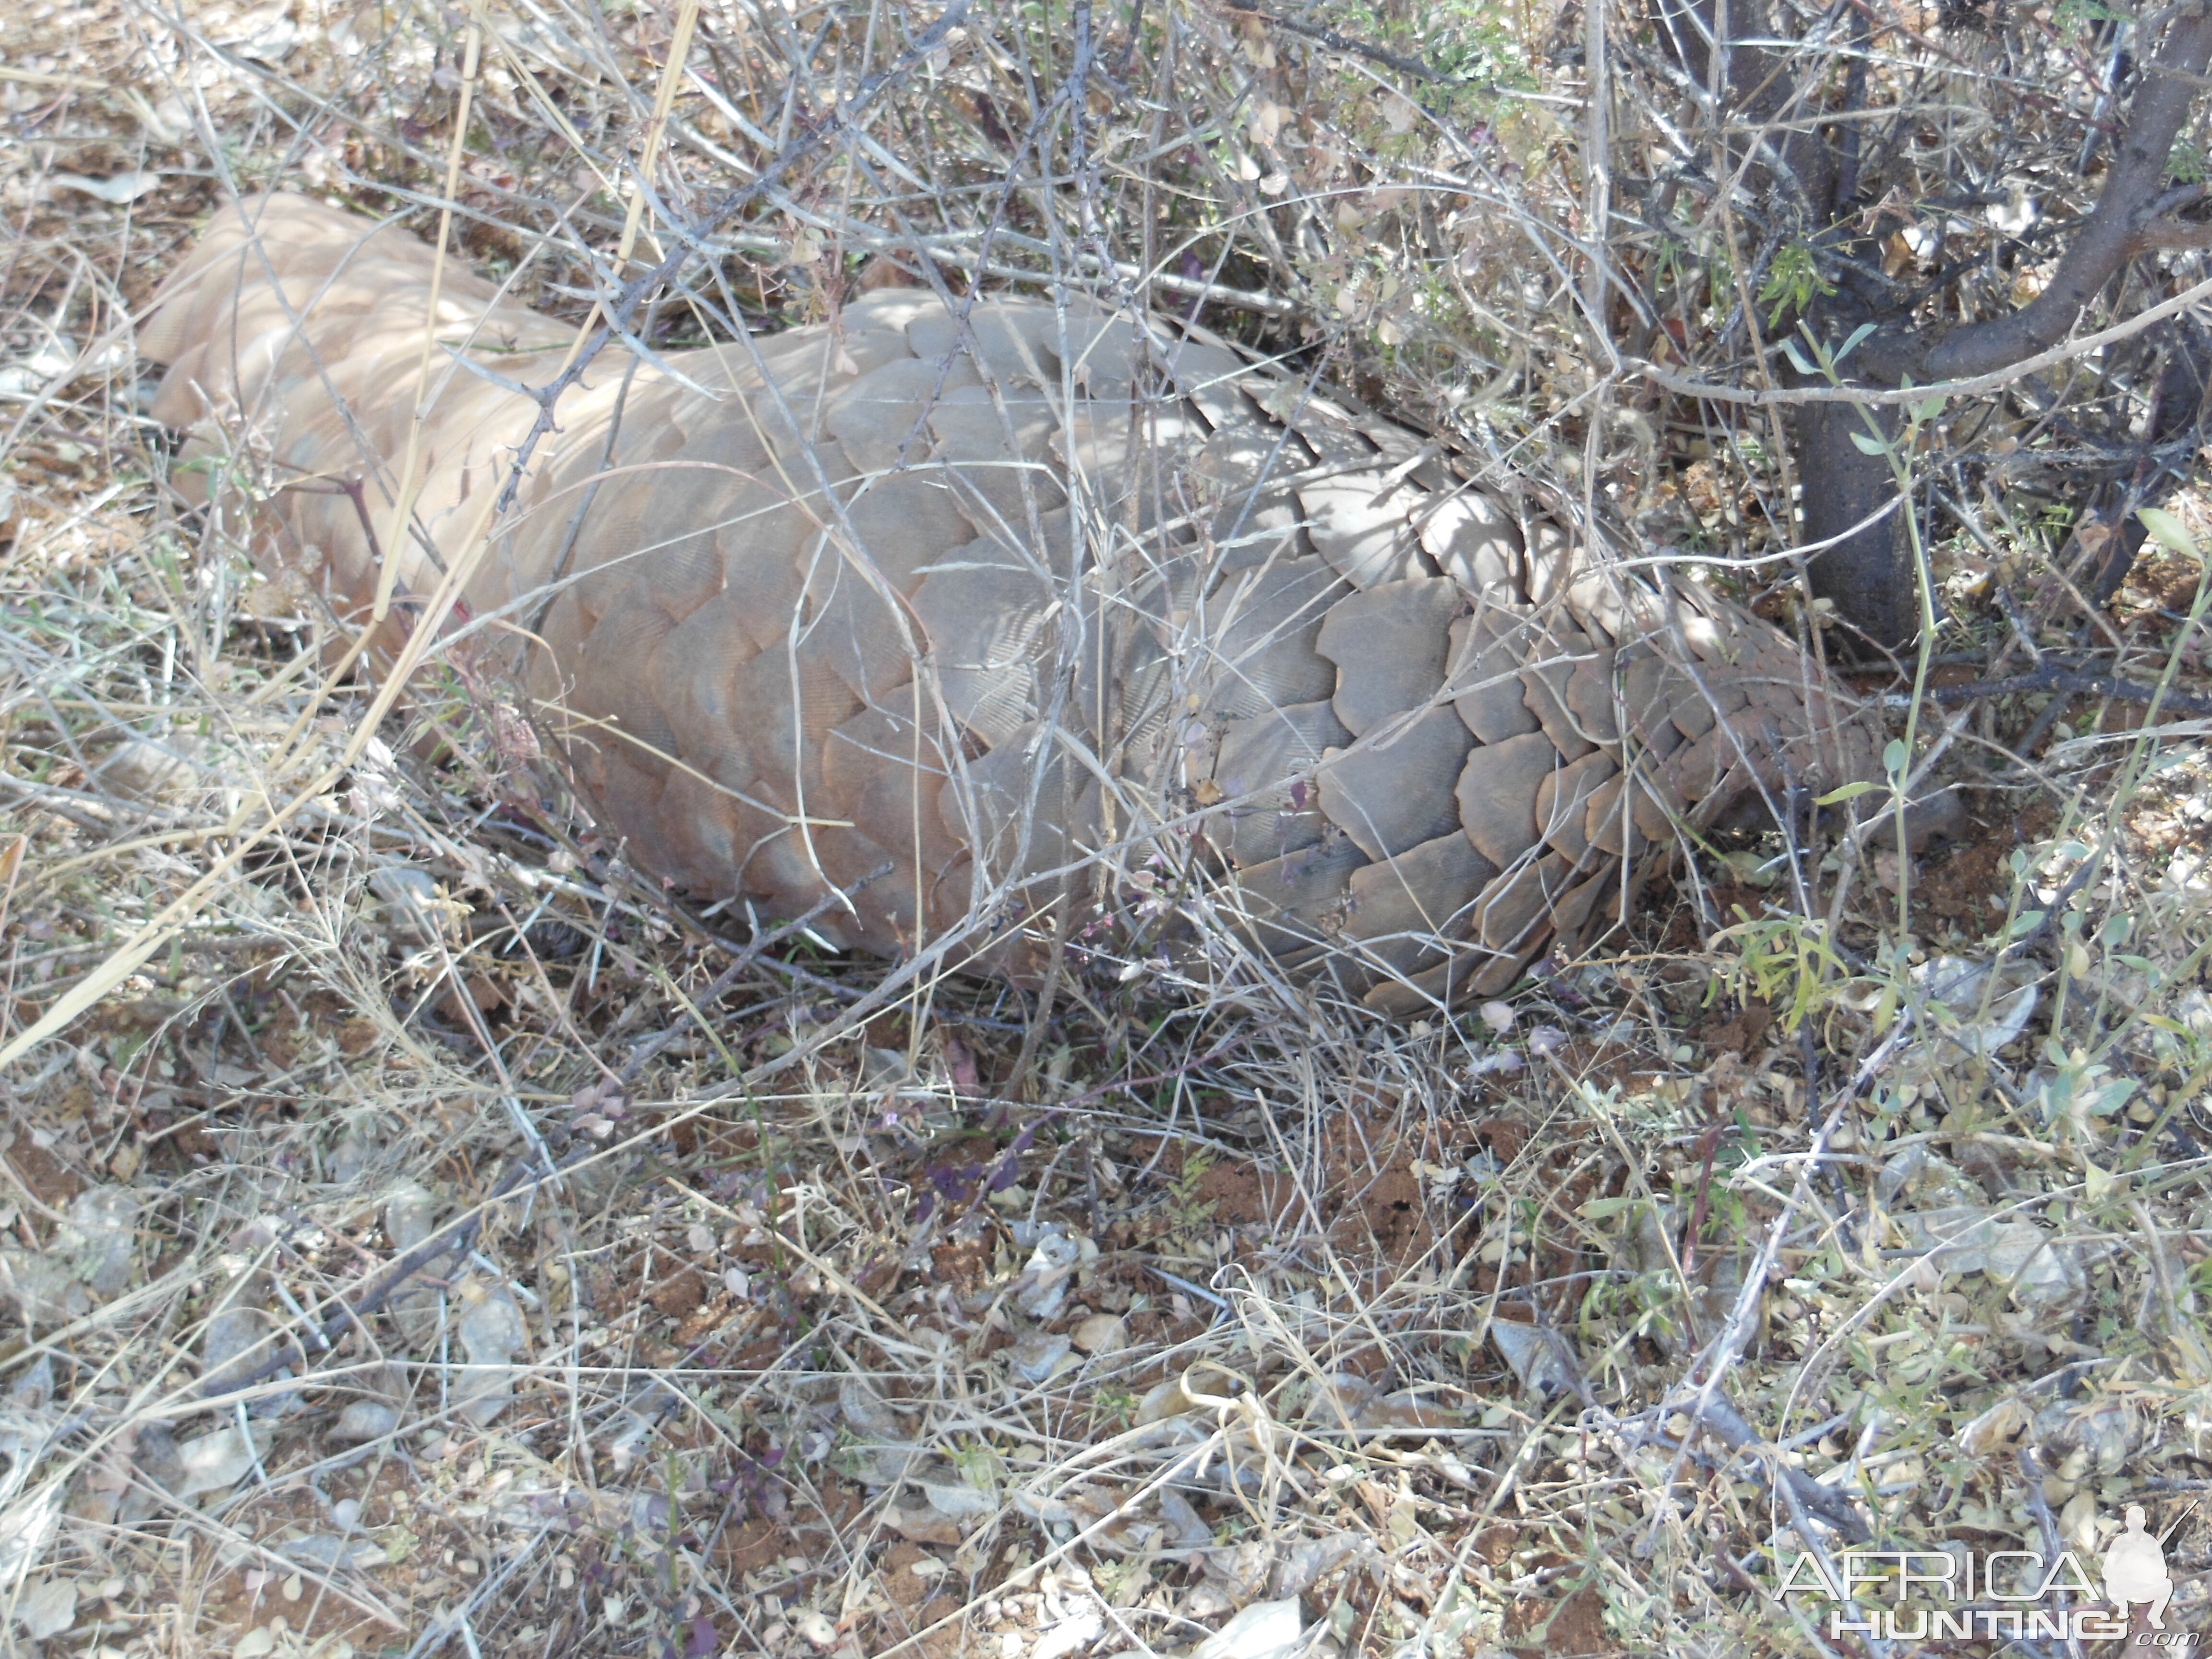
x: 969, y: 613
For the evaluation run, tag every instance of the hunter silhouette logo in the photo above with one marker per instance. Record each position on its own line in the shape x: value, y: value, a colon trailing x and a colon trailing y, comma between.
x: 2134, y: 1568
x: 1964, y: 1595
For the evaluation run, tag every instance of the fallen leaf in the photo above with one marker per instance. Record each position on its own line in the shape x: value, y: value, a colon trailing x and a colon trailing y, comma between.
x: 48, y: 1607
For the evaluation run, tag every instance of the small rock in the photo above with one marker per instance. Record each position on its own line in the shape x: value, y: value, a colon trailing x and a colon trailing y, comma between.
x: 1308, y: 1560
x: 154, y: 1453
x: 1163, y: 1401
x: 1050, y: 1270
x: 332, y: 1553
x: 410, y: 1219
x: 1037, y: 1356
x: 491, y: 1331
x: 102, y: 1233
x: 214, y: 1463
x: 865, y: 1410
x: 408, y: 1214
x: 1077, y: 1631
x: 1206, y: 1602
x: 1102, y: 1334
x: 365, y: 1420
x: 1186, y: 1531
x: 240, y: 1341
x: 921, y: 1527
x: 1265, y: 1630
x: 1533, y: 1356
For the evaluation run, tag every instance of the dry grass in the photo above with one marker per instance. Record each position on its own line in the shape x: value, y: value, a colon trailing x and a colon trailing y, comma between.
x: 412, y: 1253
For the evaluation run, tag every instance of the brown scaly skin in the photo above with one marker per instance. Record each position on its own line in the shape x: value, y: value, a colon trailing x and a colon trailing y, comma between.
x: 1004, y: 602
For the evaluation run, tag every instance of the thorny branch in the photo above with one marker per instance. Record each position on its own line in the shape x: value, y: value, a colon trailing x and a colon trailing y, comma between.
x: 1799, y: 174
x: 2056, y: 678
x: 624, y: 307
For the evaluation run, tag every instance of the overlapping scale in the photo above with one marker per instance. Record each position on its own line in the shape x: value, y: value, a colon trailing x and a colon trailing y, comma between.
x: 900, y: 615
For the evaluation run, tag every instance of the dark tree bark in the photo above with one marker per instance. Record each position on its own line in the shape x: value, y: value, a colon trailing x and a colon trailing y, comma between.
x: 1852, y: 515
x: 2179, y: 412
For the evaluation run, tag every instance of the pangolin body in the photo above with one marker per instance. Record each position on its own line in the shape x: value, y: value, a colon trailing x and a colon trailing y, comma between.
x: 952, y: 609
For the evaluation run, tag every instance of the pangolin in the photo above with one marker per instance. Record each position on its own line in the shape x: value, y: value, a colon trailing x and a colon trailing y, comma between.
x: 950, y: 615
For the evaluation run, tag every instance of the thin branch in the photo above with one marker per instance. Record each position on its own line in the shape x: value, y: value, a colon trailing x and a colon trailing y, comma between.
x: 633, y: 294
x: 1346, y: 44
x: 1881, y: 397
x: 2103, y: 247
x: 2075, y: 680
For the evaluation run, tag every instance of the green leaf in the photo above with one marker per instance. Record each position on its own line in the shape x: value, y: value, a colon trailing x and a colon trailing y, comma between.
x: 2025, y: 922
x: 1604, y: 1209
x: 2110, y: 1098
x: 1797, y: 359
x: 1894, y: 756
x: 1869, y: 444
x: 1751, y: 867
x: 1924, y: 412
x: 1849, y: 792
x: 2168, y: 530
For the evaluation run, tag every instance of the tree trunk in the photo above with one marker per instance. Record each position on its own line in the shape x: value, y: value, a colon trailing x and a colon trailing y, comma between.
x: 1867, y: 570
x: 1852, y: 515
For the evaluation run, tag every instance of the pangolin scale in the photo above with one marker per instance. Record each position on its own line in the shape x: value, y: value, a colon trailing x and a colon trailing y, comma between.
x: 967, y: 613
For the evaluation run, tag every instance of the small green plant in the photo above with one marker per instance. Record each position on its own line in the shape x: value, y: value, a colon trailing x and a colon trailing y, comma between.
x: 1793, y: 282
x: 2072, y: 16
x: 1115, y: 1405
x: 980, y: 1465
x: 1787, y: 962
x: 1182, y: 1188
